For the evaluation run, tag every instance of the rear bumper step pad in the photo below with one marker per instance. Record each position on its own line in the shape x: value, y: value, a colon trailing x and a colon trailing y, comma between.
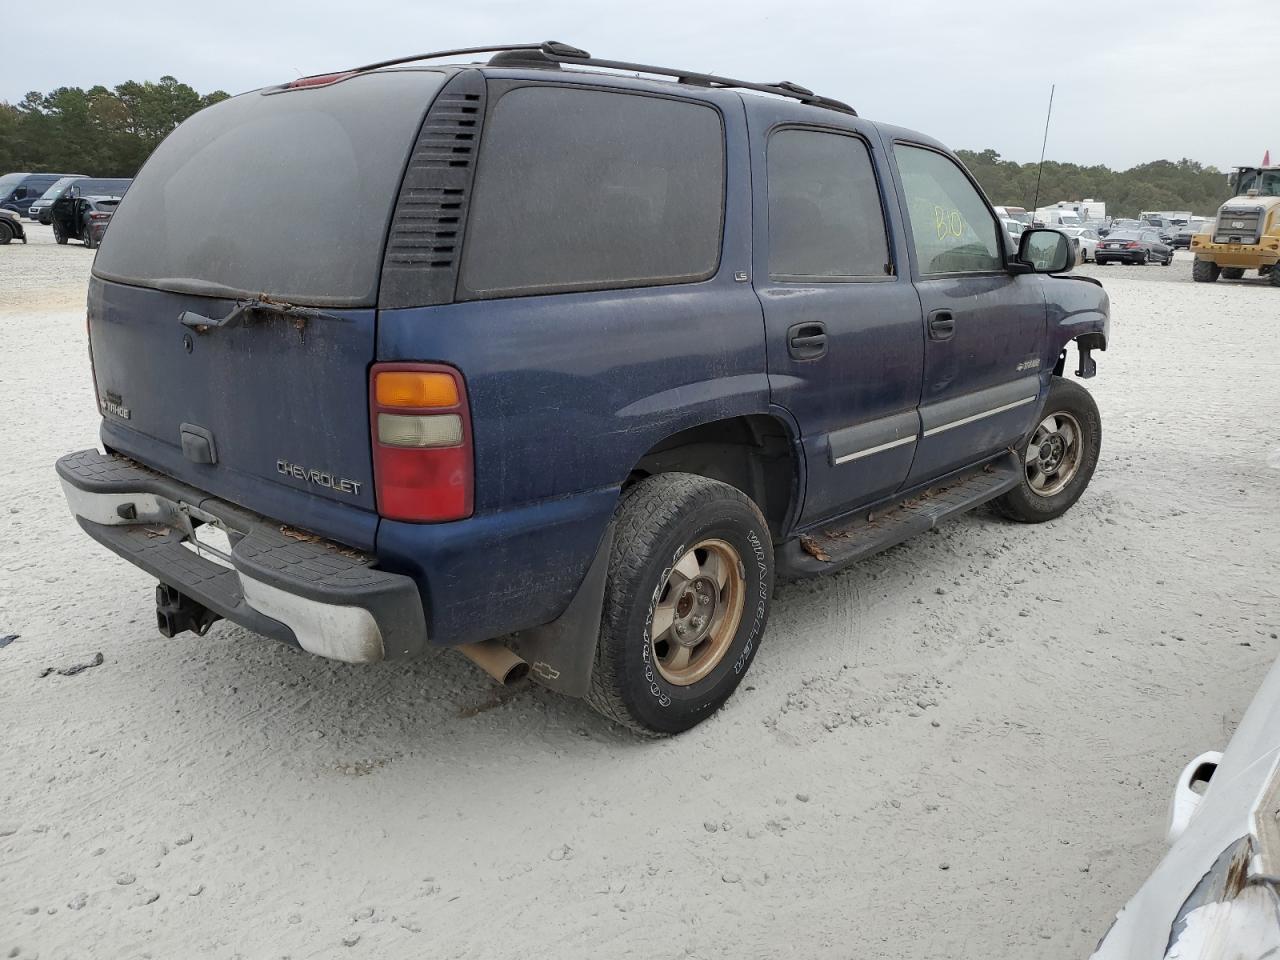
x: 289, y: 585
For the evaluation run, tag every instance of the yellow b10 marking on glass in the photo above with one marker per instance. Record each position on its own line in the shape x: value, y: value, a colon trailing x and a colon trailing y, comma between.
x: 949, y: 223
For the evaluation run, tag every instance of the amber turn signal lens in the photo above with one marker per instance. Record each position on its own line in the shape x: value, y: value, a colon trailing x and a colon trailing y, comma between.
x: 407, y: 388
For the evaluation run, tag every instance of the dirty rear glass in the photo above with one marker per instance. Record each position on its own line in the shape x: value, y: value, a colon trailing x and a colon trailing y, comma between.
x: 587, y: 189
x: 287, y: 194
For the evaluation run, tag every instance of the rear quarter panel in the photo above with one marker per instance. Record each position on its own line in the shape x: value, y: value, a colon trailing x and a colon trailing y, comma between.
x: 567, y: 392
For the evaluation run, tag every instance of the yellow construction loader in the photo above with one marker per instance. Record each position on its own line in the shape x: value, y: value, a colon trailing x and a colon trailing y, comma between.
x: 1246, y: 233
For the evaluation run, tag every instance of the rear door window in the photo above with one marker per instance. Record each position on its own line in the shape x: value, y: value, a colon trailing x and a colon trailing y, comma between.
x: 825, y: 217
x: 581, y: 189
x: 952, y: 229
x: 281, y: 193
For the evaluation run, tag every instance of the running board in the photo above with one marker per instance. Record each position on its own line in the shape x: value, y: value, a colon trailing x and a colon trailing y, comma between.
x: 830, y: 548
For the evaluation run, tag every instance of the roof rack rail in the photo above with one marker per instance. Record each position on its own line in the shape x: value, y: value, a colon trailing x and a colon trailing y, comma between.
x: 564, y: 53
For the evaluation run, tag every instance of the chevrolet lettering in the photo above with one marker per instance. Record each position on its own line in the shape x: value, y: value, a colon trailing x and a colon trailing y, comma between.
x: 321, y: 478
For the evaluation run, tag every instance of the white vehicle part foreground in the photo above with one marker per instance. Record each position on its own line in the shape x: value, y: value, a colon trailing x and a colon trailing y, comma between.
x: 1216, y: 894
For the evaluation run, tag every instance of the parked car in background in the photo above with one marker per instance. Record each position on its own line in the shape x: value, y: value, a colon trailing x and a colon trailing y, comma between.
x: 1182, y: 238
x: 19, y: 190
x: 638, y: 407
x: 88, y: 187
x: 1014, y: 229
x: 11, y: 227
x: 1216, y: 893
x: 1133, y: 246
x: 1086, y: 241
x: 82, y: 218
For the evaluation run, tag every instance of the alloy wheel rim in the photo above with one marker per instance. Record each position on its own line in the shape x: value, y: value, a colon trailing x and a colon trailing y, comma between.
x: 1053, y: 455
x: 698, y: 612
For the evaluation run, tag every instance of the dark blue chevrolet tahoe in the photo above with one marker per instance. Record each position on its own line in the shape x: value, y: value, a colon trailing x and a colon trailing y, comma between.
x: 561, y: 366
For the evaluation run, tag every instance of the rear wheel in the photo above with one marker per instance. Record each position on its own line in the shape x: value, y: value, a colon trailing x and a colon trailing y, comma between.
x: 686, y: 602
x: 1274, y: 273
x: 1060, y: 457
x: 89, y: 240
x: 1232, y: 273
x: 1143, y: 258
x: 6, y: 233
x: 1205, y: 271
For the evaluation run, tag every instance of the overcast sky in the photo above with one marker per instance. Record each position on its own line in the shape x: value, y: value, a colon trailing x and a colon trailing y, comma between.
x: 1135, y: 81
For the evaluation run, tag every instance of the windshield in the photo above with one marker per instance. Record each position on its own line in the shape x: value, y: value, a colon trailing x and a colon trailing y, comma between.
x: 9, y: 181
x: 287, y: 194
x: 1266, y: 182
x: 57, y: 188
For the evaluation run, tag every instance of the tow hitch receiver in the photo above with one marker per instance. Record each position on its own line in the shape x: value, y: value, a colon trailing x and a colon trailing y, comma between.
x: 176, y: 612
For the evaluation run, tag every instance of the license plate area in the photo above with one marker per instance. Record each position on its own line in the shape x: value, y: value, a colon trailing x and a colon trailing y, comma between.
x: 211, y: 541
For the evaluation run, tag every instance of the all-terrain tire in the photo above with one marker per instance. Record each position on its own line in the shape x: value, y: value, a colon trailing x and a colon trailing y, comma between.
x: 1023, y: 503
x: 1232, y: 273
x: 6, y: 233
x: 1274, y: 274
x: 658, y: 522
x: 1205, y: 271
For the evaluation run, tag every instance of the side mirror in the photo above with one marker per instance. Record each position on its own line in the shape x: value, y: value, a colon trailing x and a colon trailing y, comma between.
x: 1045, y: 251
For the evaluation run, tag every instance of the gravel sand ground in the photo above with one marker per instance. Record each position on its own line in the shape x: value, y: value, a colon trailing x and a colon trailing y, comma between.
x: 961, y: 748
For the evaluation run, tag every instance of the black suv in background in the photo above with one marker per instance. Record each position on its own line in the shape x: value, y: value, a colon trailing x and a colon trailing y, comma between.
x: 568, y: 361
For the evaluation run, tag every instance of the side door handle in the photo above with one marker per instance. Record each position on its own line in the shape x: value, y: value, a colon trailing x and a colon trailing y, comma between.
x: 807, y: 341
x: 942, y: 325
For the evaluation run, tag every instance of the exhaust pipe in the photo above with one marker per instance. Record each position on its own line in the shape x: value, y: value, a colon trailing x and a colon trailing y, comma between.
x: 495, y: 660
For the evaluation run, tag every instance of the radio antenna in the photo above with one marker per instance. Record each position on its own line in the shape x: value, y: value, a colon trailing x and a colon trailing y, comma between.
x: 1044, y: 143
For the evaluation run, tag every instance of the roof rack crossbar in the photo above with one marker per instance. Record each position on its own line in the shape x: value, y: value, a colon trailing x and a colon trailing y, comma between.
x: 784, y: 88
x: 565, y: 53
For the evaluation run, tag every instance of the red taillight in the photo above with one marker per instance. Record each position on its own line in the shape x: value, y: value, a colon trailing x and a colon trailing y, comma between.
x: 320, y: 80
x: 1131, y: 245
x: 422, y: 454
x: 99, y: 216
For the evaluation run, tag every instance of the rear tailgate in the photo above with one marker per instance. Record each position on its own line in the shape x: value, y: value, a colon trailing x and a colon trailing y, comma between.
x: 283, y: 409
x: 282, y: 196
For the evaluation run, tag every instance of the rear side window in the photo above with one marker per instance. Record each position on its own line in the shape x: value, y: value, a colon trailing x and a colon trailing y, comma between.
x: 951, y: 228
x: 825, y: 218
x: 587, y: 189
x: 286, y: 194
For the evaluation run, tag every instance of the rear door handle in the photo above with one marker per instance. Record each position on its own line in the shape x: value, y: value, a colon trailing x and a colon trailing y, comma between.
x: 807, y: 341
x: 942, y: 325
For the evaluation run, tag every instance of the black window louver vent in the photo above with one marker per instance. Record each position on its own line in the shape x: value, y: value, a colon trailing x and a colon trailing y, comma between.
x: 424, y: 246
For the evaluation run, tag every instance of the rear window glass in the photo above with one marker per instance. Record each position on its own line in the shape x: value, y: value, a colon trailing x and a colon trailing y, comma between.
x: 825, y: 219
x: 287, y: 194
x: 586, y: 189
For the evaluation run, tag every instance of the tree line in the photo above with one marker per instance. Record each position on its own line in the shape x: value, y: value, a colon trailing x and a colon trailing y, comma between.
x: 109, y: 133
x: 97, y: 132
x: 1159, y: 185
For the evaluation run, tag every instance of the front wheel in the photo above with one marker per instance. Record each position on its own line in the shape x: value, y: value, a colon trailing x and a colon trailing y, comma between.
x: 1274, y: 274
x: 1205, y: 271
x: 686, y: 602
x: 1060, y: 457
x: 7, y: 233
x: 58, y: 235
